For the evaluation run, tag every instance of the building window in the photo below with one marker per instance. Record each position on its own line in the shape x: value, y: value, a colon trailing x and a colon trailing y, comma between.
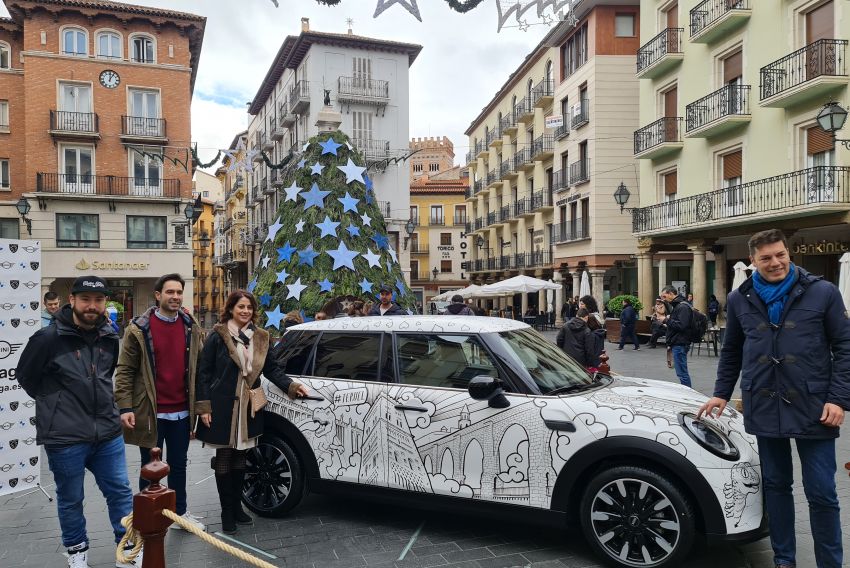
x: 144, y: 114
x: 460, y: 215
x: 143, y: 49
x: 445, y: 239
x: 361, y: 127
x: 146, y: 232
x: 414, y: 213
x: 5, y: 56
x: 624, y: 25
x: 75, y: 230
x: 574, y: 52
x: 5, y: 184
x: 77, y: 168
x: 147, y: 174
x: 4, y: 114
x: 75, y: 41
x: 9, y: 229
x: 445, y: 266
x: 109, y: 45
x: 417, y: 168
x: 433, y: 167
x: 437, y: 215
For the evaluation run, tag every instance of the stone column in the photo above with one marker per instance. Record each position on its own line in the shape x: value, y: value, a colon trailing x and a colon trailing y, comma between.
x: 597, y: 286
x: 558, y: 279
x: 524, y: 303
x: 576, y: 282
x: 662, y: 273
x: 720, y: 276
x: 698, y: 272
x: 646, y: 294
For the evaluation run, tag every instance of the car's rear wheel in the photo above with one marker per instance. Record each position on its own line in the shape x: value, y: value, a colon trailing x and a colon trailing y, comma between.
x: 274, y: 479
x: 635, y: 517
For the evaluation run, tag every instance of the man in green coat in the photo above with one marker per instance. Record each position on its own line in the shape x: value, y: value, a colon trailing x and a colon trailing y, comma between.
x: 155, y: 383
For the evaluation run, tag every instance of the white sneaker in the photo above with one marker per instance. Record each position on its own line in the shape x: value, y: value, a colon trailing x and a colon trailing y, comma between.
x: 79, y: 559
x: 192, y: 519
x: 136, y: 563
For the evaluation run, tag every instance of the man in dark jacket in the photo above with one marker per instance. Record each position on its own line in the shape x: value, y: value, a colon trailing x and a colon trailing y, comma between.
x: 67, y: 368
x: 577, y: 341
x: 678, y: 323
x: 628, y: 320
x: 387, y: 307
x: 458, y: 308
x: 788, y: 335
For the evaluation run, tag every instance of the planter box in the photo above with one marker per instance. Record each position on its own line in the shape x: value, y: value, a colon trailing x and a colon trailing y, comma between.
x: 612, y: 330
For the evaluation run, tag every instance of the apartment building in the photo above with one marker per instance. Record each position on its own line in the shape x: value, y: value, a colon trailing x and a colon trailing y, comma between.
x: 207, y: 299
x: 207, y: 186
x: 548, y: 152
x: 730, y: 145
x: 90, y: 93
x: 231, y: 220
x: 368, y: 83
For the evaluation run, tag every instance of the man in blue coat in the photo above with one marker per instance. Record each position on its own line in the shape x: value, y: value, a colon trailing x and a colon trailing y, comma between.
x: 788, y: 335
x: 628, y: 320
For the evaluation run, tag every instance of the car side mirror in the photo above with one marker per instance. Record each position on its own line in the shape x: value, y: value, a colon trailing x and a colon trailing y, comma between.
x: 485, y: 387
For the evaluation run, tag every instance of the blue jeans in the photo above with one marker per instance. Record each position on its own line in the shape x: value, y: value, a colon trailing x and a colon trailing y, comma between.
x: 107, y: 462
x: 817, y: 458
x: 175, y: 435
x: 680, y: 363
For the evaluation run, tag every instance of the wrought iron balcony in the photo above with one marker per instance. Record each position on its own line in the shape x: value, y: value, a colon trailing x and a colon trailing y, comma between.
x: 718, y: 112
x: 560, y: 180
x: 477, y: 186
x: 385, y: 209
x: 470, y: 157
x: 572, y: 230
x: 660, y: 54
x: 140, y: 127
x: 437, y: 221
x: 269, y: 186
x: 537, y: 258
x: 416, y: 248
x: 264, y: 142
x: 524, y: 110
x: 541, y: 199
x: 491, y: 218
x: 373, y: 150
x: 581, y: 117
x: 508, y: 123
x: 481, y: 149
x: 542, y: 93
x: 299, y: 97
x: 277, y: 128
x: 519, y: 261
x: 659, y: 138
x: 542, y: 147
x: 522, y: 160
x: 479, y: 223
x: 468, y: 227
x: 564, y: 130
x: 87, y: 184
x: 492, y: 178
x: 287, y: 117
x: 504, y: 213
x: 580, y: 172
x: 276, y: 178
x: 521, y: 207
x: 799, y: 193
x: 505, y: 168
x: 74, y: 124
x: 468, y: 192
x: 714, y: 19
x: 491, y: 136
x: 807, y: 74
x: 363, y: 90
x: 459, y: 220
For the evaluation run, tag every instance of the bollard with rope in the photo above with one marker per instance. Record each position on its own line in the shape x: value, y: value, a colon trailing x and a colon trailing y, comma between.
x: 153, y: 512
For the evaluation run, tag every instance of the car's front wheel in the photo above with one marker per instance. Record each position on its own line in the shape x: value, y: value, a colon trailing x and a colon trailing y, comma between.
x: 635, y: 517
x: 274, y: 480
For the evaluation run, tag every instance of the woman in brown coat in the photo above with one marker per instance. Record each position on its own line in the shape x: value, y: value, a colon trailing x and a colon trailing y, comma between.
x: 234, y: 356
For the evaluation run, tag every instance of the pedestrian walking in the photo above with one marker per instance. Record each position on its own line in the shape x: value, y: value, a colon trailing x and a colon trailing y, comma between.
x: 51, y: 306
x: 387, y: 307
x: 577, y: 340
x: 155, y: 384
x: 628, y: 321
x: 458, y: 308
x: 788, y: 336
x: 678, y: 325
x: 67, y: 368
x: 713, y: 310
x: 234, y: 356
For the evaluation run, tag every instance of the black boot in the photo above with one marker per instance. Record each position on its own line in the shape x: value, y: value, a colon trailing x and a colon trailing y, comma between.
x: 224, y: 482
x: 239, y: 515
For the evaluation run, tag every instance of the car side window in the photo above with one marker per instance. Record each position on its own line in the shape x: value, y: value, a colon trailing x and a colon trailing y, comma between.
x: 294, y: 350
x: 442, y: 360
x: 348, y: 356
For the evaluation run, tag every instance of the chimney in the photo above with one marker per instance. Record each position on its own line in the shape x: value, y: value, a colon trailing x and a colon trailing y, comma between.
x: 305, y: 24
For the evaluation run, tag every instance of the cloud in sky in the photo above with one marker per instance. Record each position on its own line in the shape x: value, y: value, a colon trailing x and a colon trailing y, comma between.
x: 463, y: 62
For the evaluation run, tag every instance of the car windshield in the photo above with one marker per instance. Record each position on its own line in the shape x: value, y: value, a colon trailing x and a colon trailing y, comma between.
x: 549, y: 367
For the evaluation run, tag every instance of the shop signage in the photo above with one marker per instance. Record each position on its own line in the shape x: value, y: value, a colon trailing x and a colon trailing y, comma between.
x: 821, y: 247
x: 100, y: 265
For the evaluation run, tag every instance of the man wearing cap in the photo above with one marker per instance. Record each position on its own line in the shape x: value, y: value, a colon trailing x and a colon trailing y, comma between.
x: 387, y: 307
x: 67, y: 368
x: 458, y: 308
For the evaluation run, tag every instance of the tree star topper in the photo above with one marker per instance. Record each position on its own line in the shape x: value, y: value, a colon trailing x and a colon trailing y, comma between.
x: 409, y: 5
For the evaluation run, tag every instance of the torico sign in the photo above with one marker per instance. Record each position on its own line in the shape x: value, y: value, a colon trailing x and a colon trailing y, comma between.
x: 20, y: 317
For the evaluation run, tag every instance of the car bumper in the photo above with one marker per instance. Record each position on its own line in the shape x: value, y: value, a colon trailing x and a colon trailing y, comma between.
x: 741, y: 538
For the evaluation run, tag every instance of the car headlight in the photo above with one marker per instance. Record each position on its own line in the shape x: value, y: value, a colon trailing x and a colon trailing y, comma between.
x: 709, y: 437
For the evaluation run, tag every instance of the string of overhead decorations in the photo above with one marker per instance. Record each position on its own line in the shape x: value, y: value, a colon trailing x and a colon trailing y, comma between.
x: 561, y: 10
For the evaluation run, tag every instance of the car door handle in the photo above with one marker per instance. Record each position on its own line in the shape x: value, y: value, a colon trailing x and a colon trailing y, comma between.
x: 560, y: 425
x: 413, y: 408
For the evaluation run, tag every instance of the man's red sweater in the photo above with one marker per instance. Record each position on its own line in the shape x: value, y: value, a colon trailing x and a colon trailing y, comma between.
x: 169, y: 352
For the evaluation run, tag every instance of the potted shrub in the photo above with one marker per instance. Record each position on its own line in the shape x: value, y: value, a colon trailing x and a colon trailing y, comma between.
x: 612, y: 326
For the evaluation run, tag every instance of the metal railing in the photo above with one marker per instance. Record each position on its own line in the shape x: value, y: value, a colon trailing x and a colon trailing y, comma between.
x: 505, y: 168
x: 491, y: 218
x: 522, y: 158
x: 521, y: 206
x: 580, y: 171
x: 522, y: 108
x: 542, y: 198
x: 364, y: 88
x: 542, y: 145
x: 537, y: 258
x: 706, y: 13
x: 508, y: 121
x: 491, y: 135
x: 479, y: 223
x: 667, y: 42
x: 729, y: 100
x: 504, y: 213
x: 439, y: 221
x: 468, y: 192
x: 416, y: 248
x: 299, y: 95
x: 545, y: 88
x: 663, y: 130
x: 87, y: 184
x: 372, y: 150
x: 560, y: 180
x: 385, y: 208
x: 477, y: 186
x: 68, y: 121
x: 459, y: 220
x: 469, y: 157
x: 480, y: 146
x: 799, y: 189
x: 564, y: 130
x: 142, y: 126
x: 492, y: 177
x: 468, y: 227
x: 583, y: 116
x: 825, y: 57
x: 572, y: 230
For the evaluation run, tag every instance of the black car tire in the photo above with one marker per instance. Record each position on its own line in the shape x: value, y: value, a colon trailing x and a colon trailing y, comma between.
x: 274, y: 479
x: 634, y: 517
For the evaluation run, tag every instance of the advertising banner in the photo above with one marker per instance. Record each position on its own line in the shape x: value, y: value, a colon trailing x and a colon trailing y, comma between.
x: 20, y: 317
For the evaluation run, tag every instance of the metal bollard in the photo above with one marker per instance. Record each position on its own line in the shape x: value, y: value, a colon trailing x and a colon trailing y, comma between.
x: 148, y: 505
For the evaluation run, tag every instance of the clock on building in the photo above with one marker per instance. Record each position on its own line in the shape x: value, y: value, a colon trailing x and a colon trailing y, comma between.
x: 109, y: 79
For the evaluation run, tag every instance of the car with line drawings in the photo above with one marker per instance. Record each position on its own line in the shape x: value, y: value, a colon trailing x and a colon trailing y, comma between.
x: 478, y: 414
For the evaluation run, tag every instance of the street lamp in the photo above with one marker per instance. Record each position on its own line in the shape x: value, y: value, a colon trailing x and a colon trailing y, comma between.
x: 23, y: 206
x: 621, y: 196
x: 480, y: 242
x: 831, y: 118
x: 409, y: 227
x: 204, y: 240
x: 435, y: 272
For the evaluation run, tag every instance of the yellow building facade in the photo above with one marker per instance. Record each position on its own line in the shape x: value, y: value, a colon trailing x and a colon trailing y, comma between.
x: 231, y: 221
x: 207, y: 276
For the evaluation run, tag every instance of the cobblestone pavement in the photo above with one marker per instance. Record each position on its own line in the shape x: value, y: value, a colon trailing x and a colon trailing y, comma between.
x: 324, y: 532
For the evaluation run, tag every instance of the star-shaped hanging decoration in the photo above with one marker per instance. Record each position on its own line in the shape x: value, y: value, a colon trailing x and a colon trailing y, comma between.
x: 343, y: 257
x: 274, y: 317
x: 348, y: 203
x: 330, y: 146
x: 292, y: 192
x: 366, y: 220
x: 299, y: 226
x: 294, y: 290
x: 409, y: 5
x: 352, y: 172
x: 285, y: 252
x: 365, y: 286
x: 266, y: 300
x: 399, y: 283
x: 273, y: 229
x: 252, y: 285
x: 282, y: 276
x: 327, y: 227
x: 523, y: 25
x: 302, y: 163
x: 307, y: 256
x: 248, y: 160
x: 374, y: 259
x: 353, y: 231
x: 314, y: 197
x: 316, y: 169
x: 393, y: 254
x: 325, y: 285
x: 381, y: 240
x: 231, y: 155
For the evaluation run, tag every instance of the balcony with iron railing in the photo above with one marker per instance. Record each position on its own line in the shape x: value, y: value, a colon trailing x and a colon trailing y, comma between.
x: 572, y: 230
x: 459, y: 220
x: 662, y: 137
x: 524, y: 111
x: 416, y: 248
x: 299, y: 97
x: 713, y: 20
x: 811, y: 73
x: 87, y: 184
x: 523, y: 160
x: 268, y: 184
x: 491, y: 218
x: 504, y: 213
x: 520, y: 207
x: 264, y: 143
x: 563, y: 131
x: 373, y: 150
x: 363, y: 90
x: 508, y: 124
x: 286, y: 116
x: 660, y: 54
x: 723, y: 110
x: 276, y: 178
x: 582, y: 117
x: 542, y: 147
x: 144, y: 129
x: 469, y: 192
x: 385, y: 208
x: 76, y: 125
x: 560, y: 180
x: 541, y: 199
x: 437, y: 221
x: 276, y: 128
x: 468, y: 227
x: 802, y: 193
x: 470, y: 157
x: 543, y: 93
x: 505, y: 168
x: 491, y: 136
x: 580, y: 172
x: 493, y: 178
x: 479, y: 224
x: 538, y: 258
x: 481, y: 150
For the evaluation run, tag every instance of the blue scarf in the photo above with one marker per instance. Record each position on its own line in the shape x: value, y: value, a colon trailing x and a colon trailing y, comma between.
x: 775, y: 295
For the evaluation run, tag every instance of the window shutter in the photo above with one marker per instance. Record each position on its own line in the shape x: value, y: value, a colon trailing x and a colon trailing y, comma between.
x: 671, y: 183
x: 732, y: 165
x: 733, y: 67
x: 818, y: 140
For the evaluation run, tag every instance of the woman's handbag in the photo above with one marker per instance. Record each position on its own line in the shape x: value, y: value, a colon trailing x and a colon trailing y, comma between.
x: 257, y: 399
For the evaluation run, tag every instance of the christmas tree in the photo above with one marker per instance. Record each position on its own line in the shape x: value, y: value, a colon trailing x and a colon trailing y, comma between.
x: 329, y: 238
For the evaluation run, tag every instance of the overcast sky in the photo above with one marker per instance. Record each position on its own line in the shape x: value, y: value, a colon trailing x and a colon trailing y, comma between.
x: 462, y: 64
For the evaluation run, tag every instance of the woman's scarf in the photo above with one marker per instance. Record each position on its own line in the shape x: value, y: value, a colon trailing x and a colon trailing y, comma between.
x: 774, y: 295
x: 242, y: 341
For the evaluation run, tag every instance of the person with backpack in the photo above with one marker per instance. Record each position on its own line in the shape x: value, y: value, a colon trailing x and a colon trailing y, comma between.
x: 577, y: 340
x: 458, y: 308
x: 678, y: 331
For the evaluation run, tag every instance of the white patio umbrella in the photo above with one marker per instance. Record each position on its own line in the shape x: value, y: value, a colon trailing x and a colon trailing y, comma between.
x: 445, y: 296
x: 584, y: 287
x: 844, y: 279
x: 465, y: 292
x: 550, y: 297
x: 515, y: 285
x: 740, y: 274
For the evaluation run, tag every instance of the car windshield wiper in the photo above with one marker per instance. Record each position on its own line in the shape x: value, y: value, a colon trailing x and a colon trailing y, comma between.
x: 595, y: 380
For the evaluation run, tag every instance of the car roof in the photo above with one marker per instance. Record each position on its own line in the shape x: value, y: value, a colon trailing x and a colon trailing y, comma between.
x: 445, y: 324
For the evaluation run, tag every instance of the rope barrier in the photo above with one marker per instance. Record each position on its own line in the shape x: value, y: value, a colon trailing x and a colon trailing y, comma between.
x: 132, y: 536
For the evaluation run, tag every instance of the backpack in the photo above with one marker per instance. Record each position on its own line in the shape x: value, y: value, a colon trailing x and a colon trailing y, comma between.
x: 698, y: 326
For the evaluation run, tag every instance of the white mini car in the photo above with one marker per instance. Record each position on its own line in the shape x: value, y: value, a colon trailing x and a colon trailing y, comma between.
x: 484, y: 414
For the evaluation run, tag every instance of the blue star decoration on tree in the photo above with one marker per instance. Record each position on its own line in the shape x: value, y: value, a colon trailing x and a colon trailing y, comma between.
x: 307, y: 256
x: 343, y: 257
x: 329, y: 146
x: 314, y: 197
x: 294, y: 290
x: 327, y: 227
x: 274, y: 317
x: 302, y: 163
x: 285, y: 252
x: 266, y: 300
x: 292, y: 192
x: 353, y: 231
x: 352, y: 172
x: 316, y: 169
x: 365, y: 286
x: 381, y: 240
x: 252, y: 285
x: 348, y: 203
x: 282, y: 276
x: 325, y: 285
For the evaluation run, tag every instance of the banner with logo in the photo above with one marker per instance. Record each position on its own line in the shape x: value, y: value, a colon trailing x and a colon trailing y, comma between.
x: 20, y: 317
